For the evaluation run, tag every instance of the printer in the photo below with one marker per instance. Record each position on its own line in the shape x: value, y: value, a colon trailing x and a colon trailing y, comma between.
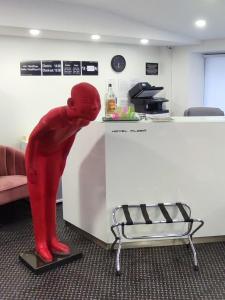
x: 142, y: 96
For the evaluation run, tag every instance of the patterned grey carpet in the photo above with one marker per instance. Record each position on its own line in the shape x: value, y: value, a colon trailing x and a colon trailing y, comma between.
x: 149, y: 273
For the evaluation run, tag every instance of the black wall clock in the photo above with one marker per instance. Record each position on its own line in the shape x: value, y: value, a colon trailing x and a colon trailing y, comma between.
x: 118, y: 63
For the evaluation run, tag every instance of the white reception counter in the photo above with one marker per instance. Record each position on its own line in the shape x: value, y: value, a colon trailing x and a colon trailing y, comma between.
x: 116, y: 163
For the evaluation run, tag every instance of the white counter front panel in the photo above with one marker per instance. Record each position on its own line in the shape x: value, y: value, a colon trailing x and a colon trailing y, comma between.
x: 146, y: 162
x: 84, y: 203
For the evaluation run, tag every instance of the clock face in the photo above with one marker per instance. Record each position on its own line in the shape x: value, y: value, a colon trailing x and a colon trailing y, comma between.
x: 118, y: 63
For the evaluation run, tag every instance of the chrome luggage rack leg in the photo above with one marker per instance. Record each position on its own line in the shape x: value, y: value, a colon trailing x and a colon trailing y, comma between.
x: 194, y: 254
x: 118, y: 239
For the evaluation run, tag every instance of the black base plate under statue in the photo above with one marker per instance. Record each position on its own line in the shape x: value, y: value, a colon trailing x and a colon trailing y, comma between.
x: 38, y: 266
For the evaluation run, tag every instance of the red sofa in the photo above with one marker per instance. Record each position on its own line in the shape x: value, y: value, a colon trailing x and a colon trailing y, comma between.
x: 13, y: 180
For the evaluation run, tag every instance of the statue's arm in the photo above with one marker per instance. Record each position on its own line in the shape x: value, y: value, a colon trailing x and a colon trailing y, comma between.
x: 42, y: 128
x: 66, y: 151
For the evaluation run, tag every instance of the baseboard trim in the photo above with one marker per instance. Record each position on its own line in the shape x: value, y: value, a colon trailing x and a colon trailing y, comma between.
x: 88, y: 236
x: 148, y: 243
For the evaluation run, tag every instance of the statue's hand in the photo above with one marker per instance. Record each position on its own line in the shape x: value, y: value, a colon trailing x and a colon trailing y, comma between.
x: 32, y: 176
x: 84, y: 123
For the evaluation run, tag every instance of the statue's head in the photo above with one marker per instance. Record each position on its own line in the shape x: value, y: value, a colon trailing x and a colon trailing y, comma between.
x: 84, y: 101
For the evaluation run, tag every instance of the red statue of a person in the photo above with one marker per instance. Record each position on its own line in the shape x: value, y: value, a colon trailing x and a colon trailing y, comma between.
x: 46, y: 153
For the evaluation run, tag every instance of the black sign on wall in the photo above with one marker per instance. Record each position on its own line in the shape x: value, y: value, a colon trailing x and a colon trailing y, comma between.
x: 30, y: 68
x: 152, y: 69
x: 89, y: 68
x: 71, y: 67
x: 51, y: 68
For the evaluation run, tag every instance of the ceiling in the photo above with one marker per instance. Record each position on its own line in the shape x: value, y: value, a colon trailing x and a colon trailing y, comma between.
x: 163, y: 22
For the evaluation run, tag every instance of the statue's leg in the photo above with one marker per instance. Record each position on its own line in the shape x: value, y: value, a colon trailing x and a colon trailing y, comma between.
x: 38, y: 204
x: 53, y: 178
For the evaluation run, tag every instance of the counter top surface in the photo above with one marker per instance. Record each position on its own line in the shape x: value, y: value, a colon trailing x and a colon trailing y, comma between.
x: 209, y: 119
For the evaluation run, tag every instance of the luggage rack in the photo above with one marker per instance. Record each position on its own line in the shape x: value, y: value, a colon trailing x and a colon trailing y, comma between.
x: 118, y: 228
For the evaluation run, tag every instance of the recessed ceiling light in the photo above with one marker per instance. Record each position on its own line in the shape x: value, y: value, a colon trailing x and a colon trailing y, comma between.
x: 144, y: 41
x: 200, y: 23
x: 34, y: 32
x: 95, y: 37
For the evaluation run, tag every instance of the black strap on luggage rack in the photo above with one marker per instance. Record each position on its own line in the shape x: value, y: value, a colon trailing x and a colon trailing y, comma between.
x: 165, y: 213
x: 183, y: 212
x: 118, y: 228
x: 127, y: 215
x: 145, y: 214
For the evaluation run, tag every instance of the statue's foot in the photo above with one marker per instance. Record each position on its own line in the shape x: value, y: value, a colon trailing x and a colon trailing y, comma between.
x: 59, y: 248
x: 44, y: 254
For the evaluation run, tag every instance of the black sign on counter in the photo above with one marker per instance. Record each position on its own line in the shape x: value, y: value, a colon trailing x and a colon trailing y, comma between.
x: 71, y: 67
x: 30, y: 68
x: 89, y: 68
x: 152, y: 69
x: 51, y: 68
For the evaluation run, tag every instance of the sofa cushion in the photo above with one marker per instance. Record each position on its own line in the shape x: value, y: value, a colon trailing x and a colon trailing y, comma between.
x: 13, y: 187
x: 11, y: 161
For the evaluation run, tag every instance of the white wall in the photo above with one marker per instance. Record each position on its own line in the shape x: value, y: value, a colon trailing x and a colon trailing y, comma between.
x: 179, y: 80
x: 188, y: 74
x: 165, y: 74
x: 187, y: 80
x: 24, y: 99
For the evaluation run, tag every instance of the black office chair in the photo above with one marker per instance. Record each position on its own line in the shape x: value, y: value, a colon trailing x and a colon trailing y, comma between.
x: 203, y: 111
